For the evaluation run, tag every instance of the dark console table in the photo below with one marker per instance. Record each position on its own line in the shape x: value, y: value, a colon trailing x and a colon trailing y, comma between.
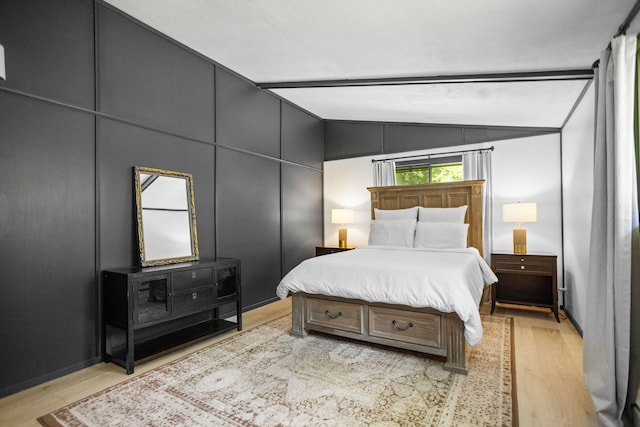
x: 152, y: 309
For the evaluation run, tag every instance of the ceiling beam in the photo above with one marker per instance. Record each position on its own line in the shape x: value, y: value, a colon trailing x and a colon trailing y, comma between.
x: 526, y: 76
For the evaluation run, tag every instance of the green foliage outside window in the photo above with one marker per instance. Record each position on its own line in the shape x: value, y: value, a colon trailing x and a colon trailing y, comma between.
x: 446, y: 173
x: 408, y: 176
x: 420, y: 174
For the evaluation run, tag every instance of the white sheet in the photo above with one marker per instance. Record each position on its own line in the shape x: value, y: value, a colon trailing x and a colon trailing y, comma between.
x: 448, y: 280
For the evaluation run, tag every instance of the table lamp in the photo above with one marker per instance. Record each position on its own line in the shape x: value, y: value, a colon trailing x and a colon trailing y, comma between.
x: 342, y: 217
x: 519, y: 213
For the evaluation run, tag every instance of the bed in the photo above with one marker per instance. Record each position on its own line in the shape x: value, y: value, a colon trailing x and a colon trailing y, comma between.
x: 356, y: 294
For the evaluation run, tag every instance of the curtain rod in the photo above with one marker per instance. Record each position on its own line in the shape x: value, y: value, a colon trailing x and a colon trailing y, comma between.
x: 434, y: 154
x: 625, y: 25
x: 622, y: 29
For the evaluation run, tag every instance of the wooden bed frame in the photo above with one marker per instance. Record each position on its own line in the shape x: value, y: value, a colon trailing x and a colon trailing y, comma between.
x: 424, y: 330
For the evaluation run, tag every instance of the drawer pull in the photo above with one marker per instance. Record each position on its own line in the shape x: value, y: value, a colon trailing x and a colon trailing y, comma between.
x: 522, y: 267
x: 332, y: 316
x: 521, y: 259
x: 194, y: 295
x: 402, y: 328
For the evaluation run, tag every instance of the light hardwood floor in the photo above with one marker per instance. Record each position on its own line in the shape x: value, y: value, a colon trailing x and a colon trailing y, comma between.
x: 550, y: 388
x: 548, y: 360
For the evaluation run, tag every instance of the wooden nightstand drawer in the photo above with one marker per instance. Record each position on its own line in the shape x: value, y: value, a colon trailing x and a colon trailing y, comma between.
x: 524, y: 267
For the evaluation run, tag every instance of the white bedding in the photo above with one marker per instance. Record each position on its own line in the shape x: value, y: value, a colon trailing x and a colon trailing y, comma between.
x: 448, y: 280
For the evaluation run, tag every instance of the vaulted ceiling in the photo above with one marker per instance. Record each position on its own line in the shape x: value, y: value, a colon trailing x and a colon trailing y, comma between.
x: 489, y: 62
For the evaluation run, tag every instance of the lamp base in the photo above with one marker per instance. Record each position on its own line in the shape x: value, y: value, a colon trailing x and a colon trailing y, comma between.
x: 520, y: 241
x: 342, y: 237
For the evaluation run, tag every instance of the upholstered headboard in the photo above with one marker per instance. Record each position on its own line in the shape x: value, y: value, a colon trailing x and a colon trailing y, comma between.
x: 441, y: 195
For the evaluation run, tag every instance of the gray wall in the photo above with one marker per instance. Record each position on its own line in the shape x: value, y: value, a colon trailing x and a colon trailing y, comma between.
x: 90, y: 94
x: 348, y: 139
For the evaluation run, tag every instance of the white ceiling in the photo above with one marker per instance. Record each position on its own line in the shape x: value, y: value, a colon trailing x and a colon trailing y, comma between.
x: 302, y: 40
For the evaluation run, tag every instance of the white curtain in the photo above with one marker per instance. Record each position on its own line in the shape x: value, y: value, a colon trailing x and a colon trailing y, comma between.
x: 477, y: 165
x: 384, y: 173
x: 614, y: 233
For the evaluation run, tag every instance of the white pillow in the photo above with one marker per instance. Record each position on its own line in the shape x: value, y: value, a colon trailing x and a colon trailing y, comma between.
x: 398, y: 232
x: 441, y: 235
x: 392, y: 214
x: 442, y: 214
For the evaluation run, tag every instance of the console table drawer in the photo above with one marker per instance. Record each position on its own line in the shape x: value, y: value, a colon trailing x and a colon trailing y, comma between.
x: 335, y: 314
x: 192, y: 301
x: 400, y: 325
x: 184, y: 280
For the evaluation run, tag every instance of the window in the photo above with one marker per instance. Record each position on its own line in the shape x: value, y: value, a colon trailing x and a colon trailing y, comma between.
x: 425, y: 171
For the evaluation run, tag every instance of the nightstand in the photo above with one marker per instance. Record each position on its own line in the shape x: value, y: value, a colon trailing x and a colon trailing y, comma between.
x: 530, y: 279
x: 326, y: 250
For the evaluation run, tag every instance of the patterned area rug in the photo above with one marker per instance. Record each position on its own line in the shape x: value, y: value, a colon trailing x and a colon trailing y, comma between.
x: 264, y: 377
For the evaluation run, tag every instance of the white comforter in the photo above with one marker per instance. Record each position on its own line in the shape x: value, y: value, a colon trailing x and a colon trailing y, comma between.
x: 447, y: 280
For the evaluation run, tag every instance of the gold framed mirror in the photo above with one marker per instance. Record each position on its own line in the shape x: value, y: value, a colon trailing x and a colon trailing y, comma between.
x: 166, y: 216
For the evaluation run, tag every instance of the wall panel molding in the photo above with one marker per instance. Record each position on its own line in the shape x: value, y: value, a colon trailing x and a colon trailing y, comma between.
x: 99, y: 114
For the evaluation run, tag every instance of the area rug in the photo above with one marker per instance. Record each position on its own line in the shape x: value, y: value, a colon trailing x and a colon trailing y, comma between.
x: 265, y: 377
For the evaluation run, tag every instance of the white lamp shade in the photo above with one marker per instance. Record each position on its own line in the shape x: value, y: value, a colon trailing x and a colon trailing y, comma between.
x: 341, y: 216
x: 519, y: 212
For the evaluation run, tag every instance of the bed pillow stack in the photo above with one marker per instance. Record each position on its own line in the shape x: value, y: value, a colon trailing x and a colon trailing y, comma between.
x: 394, y: 227
x: 441, y: 228
x: 432, y: 228
x: 399, y: 232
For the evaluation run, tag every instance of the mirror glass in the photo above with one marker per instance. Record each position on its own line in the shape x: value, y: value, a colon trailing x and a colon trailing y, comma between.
x: 166, y: 216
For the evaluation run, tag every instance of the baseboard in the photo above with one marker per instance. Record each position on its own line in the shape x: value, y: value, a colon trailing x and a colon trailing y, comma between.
x: 15, y: 388
x: 572, y: 320
x: 260, y: 304
x: 232, y: 313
